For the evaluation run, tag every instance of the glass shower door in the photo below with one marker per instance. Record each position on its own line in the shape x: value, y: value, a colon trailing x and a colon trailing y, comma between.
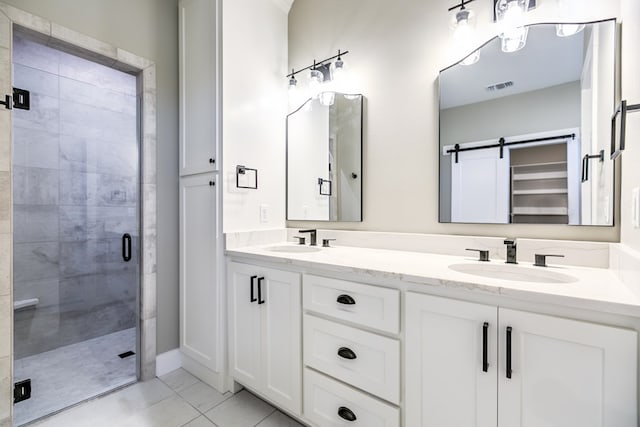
x: 76, y: 222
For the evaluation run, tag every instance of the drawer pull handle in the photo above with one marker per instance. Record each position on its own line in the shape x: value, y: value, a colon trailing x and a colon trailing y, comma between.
x: 346, y: 414
x: 346, y: 353
x: 346, y: 300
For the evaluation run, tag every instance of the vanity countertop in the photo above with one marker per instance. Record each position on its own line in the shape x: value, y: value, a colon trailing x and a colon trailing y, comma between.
x: 595, y: 288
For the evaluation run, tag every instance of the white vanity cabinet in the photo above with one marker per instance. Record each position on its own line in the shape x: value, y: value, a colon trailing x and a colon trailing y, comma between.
x: 265, y: 332
x: 565, y: 373
x: 447, y: 383
x: 198, y: 82
x: 356, y: 354
x: 551, y: 372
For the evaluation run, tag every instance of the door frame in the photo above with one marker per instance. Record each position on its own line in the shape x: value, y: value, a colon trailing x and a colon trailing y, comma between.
x: 66, y: 39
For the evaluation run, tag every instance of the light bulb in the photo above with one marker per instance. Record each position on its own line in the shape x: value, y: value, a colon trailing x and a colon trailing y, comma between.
x: 514, y: 40
x: 315, y: 79
x: 567, y: 30
x: 293, y: 85
x: 463, y: 25
x: 510, y: 17
x: 327, y: 98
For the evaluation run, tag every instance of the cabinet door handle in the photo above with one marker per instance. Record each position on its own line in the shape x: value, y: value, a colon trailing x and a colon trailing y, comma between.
x: 346, y: 300
x: 346, y: 414
x: 509, y: 329
x: 212, y: 160
x: 253, y: 298
x: 485, y: 350
x: 126, y: 247
x: 260, y: 300
x: 346, y: 353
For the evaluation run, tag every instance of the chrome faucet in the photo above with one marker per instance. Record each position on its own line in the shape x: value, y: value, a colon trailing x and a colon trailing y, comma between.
x: 313, y: 236
x: 511, y: 251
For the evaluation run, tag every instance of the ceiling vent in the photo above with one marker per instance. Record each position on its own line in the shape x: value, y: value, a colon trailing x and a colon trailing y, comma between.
x: 499, y: 86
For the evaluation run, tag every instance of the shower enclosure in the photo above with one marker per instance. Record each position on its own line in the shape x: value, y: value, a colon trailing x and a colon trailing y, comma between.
x: 76, y: 228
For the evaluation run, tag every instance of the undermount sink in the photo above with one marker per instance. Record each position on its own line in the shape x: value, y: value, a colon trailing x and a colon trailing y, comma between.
x: 295, y: 249
x: 514, y: 273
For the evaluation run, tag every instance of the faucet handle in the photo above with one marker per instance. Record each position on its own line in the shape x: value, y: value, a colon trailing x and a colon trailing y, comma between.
x: 325, y: 242
x: 484, y: 254
x: 301, y: 239
x: 541, y: 259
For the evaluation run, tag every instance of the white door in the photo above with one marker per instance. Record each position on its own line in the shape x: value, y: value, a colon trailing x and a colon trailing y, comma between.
x: 447, y: 381
x: 281, y: 337
x: 480, y: 187
x: 565, y: 373
x: 245, y: 352
x: 199, y: 293
x: 198, y: 80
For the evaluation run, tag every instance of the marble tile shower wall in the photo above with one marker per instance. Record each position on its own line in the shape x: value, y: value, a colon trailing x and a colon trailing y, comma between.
x: 75, y: 194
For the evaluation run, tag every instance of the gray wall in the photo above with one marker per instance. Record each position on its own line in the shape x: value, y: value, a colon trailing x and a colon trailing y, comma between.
x: 74, y: 193
x: 148, y: 28
x: 552, y: 108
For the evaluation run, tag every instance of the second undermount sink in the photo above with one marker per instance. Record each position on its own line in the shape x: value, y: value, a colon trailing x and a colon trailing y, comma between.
x: 294, y: 249
x: 514, y: 273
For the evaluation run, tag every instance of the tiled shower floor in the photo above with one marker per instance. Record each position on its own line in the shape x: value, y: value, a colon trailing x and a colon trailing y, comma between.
x: 77, y: 372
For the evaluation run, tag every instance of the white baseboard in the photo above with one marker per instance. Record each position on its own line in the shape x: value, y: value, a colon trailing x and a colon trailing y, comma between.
x: 204, y: 374
x: 168, y: 361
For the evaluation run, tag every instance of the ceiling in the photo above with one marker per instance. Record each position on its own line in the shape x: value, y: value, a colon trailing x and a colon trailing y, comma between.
x: 546, y: 60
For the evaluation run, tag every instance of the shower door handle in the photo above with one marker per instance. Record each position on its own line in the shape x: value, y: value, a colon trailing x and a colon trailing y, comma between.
x: 126, y: 247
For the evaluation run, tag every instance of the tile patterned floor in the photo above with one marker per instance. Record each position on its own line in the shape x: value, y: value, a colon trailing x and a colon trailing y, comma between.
x: 177, y: 399
x: 74, y: 373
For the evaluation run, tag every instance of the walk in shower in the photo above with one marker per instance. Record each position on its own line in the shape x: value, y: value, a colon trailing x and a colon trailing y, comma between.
x: 76, y: 221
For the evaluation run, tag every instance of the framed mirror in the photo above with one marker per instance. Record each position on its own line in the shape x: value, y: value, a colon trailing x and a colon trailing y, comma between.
x: 525, y: 136
x: 324, y: 159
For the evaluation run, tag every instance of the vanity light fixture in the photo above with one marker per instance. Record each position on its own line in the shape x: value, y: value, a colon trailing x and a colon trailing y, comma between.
x: 319, y: 73
x: 463, y: 23
x: 510, y: 18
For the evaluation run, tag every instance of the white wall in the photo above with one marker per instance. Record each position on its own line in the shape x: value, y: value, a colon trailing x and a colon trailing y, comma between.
x: 396, y: 51
x: 630, y: 91
x: 148, y: 28
x: 254, y: 63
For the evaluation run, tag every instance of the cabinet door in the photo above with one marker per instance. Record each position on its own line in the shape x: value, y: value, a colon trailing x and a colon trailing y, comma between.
x: 198, y: 79
x: 446, y: 385
x: 245, y: 353
x: 565, y: 373
x: 199, y: 294
x: 281, y: 337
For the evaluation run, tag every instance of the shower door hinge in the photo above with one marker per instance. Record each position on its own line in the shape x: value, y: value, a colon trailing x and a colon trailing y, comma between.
x: 21, y: 391
x: 21, y: 100
x: 8, y: 102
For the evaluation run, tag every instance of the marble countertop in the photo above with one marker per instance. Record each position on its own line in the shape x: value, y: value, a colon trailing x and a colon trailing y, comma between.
x: 594, y: 288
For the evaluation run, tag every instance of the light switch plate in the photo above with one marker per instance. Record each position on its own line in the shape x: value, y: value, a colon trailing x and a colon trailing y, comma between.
x: 635, y: 207
x: 264, y: 213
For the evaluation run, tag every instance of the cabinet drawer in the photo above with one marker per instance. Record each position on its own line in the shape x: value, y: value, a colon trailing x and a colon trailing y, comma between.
x: 363, y: 359
x: 366, y: 305
x: 325, y: 400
